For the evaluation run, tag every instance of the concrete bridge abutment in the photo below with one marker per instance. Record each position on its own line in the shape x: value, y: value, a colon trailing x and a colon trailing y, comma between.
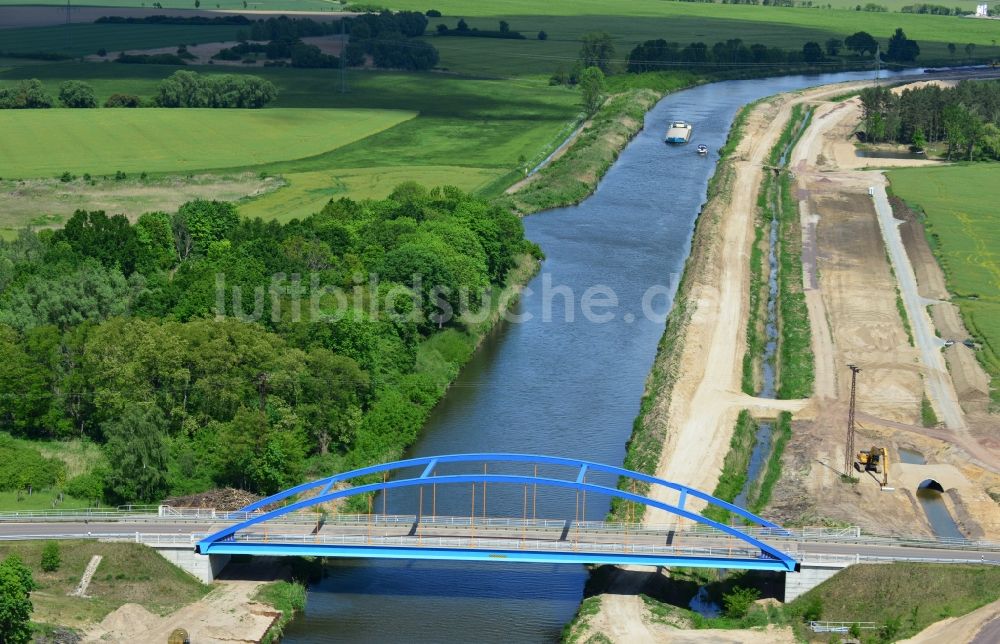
x: 811, y: 575
x: 205, y: 567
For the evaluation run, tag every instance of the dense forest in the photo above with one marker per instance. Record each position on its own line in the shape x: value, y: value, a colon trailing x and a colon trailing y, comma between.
x: 966, y: 117
x: 201, y: 349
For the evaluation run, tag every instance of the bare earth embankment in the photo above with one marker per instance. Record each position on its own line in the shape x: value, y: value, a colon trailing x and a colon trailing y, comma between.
x: 857, y: 317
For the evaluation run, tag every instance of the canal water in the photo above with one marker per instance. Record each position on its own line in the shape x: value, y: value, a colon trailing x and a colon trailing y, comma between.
x: 940, y: 519
x: 556, y: 383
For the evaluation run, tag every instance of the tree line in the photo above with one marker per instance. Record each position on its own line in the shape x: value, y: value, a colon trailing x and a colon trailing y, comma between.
x: 181, y: 89
x: 201, y: 349
x: 390, y: 38
x: 653, y: 55
x: 966, y: 117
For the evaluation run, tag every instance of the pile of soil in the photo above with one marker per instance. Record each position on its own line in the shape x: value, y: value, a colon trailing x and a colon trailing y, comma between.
x: 228, y: 499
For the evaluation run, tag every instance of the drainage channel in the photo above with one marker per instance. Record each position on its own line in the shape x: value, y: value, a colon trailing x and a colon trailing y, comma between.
x: 764, y: 437
x: 942, y: 523
x: 763, y: 443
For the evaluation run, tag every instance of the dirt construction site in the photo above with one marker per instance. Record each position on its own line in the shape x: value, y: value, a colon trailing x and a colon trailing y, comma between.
x: 856, y: 294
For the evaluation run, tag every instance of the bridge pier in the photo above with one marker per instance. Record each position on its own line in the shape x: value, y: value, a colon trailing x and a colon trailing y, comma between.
x: 205, y: 567
x: 811, y: 575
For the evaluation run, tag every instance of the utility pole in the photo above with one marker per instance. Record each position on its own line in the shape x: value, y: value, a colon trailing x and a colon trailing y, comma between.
x: 849, y: 448
x: 344, y: 39
x: 69, y: 27
x: 878, y: 62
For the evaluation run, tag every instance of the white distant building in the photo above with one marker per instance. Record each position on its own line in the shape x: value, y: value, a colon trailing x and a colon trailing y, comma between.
x: 982, y: 11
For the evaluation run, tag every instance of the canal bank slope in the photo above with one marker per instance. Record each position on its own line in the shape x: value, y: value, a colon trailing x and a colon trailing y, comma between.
x: 694, y: 392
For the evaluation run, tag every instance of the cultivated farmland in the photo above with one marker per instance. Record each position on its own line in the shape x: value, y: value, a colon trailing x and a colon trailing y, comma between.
x: 964, y: 230
x: 47, y: 142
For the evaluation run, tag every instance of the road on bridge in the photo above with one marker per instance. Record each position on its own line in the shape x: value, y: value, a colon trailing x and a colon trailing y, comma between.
x: 553, y: 534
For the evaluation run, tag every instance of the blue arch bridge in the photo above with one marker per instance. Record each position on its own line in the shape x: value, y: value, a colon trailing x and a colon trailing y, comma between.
x: 275, y: 526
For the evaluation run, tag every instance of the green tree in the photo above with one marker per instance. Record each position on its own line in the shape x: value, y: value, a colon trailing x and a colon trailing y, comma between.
x: 50, y: 556
x: 74, y: 93
x: 902, y: 49
x: 155, y: 239
x: 812, y: 53
x: 597, y: 50
x: 90, y: 293
x: 592, y: 88
x: 110, y: 240
x: 199, y: 223
x: 951, y: 49
x: 137, y: 454
x: 970, y: 49
x: 861, y: 43
x: 16, y: 585
x: 264, y: 450
x: 737, y: 602
x: 333, y: 390
x: 26, y: 385
x: 27, y: 94
x: 833, y: 46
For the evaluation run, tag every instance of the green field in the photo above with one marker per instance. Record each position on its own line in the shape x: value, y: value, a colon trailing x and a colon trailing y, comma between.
x: 963, y: 226
x: 48, y: 142
x: 903, y: 598
x: 308, y: 192
x: 657, y: 16
x: 467, y: 133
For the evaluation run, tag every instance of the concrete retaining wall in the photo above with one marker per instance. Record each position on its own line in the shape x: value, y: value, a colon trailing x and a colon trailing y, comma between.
x: 204, y: 567
x: 810, y: 576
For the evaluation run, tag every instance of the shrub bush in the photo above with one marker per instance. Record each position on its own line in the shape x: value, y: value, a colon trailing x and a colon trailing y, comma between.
x: 50, y: 557
x: 74, y: 93
x: 89, y: 486
x: 24, y: 467
x: 27, y: 94
x: 123, y: 100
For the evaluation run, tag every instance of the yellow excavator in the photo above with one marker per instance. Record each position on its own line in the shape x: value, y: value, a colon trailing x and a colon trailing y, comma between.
x: 874, y: 460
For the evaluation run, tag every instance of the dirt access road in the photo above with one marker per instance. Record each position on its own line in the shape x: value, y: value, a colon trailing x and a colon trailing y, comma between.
x: 706, y: 397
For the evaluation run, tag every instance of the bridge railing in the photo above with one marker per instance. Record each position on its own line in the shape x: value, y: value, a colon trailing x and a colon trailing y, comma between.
x: 841, y: 627
x: 488, y: 543
x: 145, y: 514
x: 813, y: 558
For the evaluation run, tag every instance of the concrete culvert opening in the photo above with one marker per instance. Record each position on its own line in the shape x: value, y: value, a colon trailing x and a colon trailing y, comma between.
x: 930, y: 484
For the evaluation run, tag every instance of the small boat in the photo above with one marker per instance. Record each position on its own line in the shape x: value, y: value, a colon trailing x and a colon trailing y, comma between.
x: 702, y: 149
x: 678, y: 132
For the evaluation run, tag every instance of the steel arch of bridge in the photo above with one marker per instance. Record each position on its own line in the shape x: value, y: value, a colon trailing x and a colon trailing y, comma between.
x: 776, y: 559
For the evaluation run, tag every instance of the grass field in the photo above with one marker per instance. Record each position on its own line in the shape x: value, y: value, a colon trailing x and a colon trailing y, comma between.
x: 48, y: 142
x: 687, y: 22
x: 308, y: 192
x: 963, y: 226
x: 128, y: 573
x: 49, y: 202
x: 468, y: 132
